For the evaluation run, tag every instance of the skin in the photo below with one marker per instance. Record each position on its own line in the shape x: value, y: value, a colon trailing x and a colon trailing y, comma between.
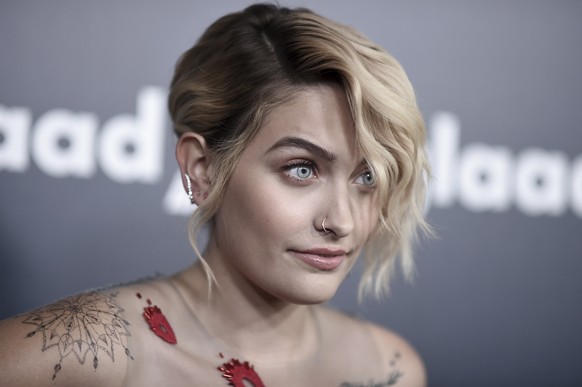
x: 252, y: 251
x: 301, y: 167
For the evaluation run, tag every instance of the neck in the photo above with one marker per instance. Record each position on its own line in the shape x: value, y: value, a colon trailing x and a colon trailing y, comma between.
x: 252, y: 323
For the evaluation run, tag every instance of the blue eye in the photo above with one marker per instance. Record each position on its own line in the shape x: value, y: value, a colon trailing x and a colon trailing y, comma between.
x: 367, y: 178
x: 301, y: 171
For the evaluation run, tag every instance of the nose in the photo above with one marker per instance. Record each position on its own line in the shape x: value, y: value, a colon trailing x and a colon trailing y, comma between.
x: 338, y: 211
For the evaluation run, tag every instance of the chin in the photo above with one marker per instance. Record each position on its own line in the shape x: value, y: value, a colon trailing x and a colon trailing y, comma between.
x: 310, y: 294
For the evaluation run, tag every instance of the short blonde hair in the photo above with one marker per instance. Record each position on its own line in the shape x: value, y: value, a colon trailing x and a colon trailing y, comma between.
x: 248, y: 63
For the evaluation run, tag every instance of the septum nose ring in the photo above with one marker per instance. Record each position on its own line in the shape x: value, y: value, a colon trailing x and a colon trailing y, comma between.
x: 323, y: 225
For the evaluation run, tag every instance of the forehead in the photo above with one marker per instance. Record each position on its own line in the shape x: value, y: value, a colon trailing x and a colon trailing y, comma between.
x: 318, y: 113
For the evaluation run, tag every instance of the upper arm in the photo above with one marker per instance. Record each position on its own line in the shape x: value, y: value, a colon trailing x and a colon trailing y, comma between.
x: 401, y: 359
x: 82, y: 339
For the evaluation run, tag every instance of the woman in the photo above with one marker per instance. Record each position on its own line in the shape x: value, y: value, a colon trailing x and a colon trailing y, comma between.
x: 301, y: 144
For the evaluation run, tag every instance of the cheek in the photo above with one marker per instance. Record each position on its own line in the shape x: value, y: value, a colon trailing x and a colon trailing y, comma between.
x: 278, y: 210
x: 369, y: 219
x: 264, y: 210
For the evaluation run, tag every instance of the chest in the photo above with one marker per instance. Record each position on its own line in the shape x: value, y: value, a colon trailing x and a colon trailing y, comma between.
x: 341, y: 367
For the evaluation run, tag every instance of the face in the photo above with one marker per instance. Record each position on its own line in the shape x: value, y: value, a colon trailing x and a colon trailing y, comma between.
x: 301, y: 168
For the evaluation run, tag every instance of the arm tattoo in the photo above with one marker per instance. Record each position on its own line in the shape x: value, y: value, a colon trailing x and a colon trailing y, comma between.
x: 86, y: 325
x: 391, y: 379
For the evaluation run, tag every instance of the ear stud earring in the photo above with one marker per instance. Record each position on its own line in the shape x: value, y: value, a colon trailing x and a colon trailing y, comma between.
x: 189, y: 188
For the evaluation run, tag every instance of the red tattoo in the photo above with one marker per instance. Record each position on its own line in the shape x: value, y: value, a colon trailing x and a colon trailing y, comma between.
x: 236, y: 373
x: 158, y: 322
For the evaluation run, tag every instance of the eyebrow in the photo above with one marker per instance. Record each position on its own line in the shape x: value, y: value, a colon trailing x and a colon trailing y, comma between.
x: 296, y: 142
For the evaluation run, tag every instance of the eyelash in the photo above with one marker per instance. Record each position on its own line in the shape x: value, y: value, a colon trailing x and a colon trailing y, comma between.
x: 298, y: 164
x: 308, y: 164
x: 363, y: 174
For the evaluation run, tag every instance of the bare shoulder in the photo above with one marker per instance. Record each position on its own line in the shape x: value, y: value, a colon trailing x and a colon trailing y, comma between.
x: 379, y: 351
x: 396, y: 351
x: 82, y: 339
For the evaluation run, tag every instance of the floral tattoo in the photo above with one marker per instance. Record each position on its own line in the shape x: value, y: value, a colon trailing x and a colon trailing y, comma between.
x: 86, y: 325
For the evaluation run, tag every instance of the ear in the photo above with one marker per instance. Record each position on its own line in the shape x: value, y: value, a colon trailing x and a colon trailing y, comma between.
x: 194, y: 160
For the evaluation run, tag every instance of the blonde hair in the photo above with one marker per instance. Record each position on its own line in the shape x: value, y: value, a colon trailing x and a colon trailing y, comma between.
x: 248, y: 63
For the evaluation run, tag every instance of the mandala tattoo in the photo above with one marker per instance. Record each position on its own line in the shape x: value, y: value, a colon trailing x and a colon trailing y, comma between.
x: 86, y: 325
x: 391, y: 379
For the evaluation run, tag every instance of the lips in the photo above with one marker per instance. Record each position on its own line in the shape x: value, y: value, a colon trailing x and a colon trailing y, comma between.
x: 323, y: 259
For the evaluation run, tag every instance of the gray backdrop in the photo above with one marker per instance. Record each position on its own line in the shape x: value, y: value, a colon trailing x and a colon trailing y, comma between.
x: 85, y: 202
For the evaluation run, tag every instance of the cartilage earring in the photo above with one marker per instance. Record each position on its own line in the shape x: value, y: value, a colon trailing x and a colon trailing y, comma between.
x: 189, y: 188
x: 323, y: 225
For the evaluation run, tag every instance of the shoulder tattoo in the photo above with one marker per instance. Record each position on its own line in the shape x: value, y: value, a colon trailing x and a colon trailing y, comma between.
x: 393, y: 376
x: 87, y: 326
